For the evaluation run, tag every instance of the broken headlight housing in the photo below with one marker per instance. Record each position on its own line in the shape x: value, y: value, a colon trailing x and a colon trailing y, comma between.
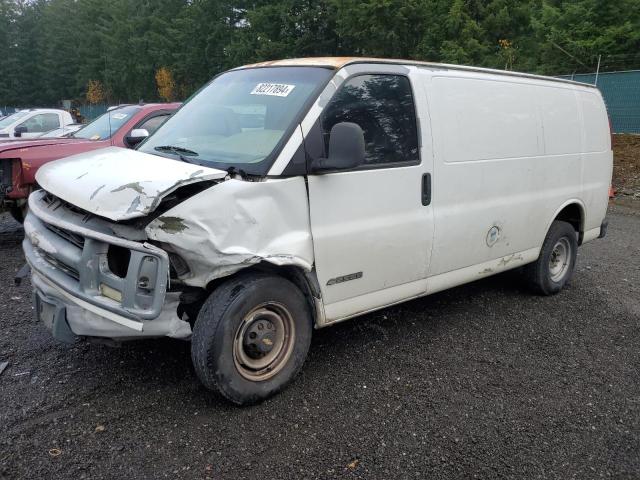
x: 177, y: 266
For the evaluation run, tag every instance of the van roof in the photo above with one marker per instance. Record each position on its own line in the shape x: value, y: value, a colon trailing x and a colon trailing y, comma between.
x: 339, y: 62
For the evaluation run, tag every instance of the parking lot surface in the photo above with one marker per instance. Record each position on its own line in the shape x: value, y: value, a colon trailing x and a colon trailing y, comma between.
x: 482, y: 381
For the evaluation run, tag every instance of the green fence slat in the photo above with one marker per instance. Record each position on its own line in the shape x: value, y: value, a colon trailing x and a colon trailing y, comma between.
x: 621, y: 93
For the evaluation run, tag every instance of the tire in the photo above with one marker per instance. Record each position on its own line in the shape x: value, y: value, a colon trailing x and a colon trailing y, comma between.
x: 235, y: 328
x: 557, y: 261
x: 19, y: 213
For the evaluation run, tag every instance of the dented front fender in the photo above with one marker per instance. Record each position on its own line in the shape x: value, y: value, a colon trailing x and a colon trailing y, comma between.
x: 236, y: 224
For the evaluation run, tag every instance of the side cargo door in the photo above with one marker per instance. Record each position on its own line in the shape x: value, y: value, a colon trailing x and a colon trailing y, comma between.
x: 372, y: 226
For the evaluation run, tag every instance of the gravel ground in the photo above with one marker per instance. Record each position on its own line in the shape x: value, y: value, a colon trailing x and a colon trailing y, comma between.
x: 482, y: 381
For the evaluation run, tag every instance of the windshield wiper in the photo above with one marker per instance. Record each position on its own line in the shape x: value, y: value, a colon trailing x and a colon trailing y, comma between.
x: 179, y: 151
x: 176, y: 149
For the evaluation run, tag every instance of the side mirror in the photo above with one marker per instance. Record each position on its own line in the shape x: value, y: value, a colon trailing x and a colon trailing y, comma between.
x: 136, y: 136
x: 346, y: 149
x: 19, y: 130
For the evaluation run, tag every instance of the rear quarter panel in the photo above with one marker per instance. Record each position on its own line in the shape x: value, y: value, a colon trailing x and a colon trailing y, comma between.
x: 597, y: 164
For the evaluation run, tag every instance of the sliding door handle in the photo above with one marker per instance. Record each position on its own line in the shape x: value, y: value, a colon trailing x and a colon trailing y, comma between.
x: 426, y: 189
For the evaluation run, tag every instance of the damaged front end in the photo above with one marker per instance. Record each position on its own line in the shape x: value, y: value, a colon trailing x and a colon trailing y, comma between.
x: 142, y: 263
x: 90, y: 282
x: 93, y: 270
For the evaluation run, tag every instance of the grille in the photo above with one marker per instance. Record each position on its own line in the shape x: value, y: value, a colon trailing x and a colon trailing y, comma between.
x: 78, y: 253
x: 50, y: 200
x: 77, y: 240
x: 68, y: 269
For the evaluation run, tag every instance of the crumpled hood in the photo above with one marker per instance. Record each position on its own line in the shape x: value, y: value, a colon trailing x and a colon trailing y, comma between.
x: 118, y: 183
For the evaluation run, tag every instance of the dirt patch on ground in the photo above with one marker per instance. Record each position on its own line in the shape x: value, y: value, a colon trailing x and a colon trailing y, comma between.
x: 626, y: 165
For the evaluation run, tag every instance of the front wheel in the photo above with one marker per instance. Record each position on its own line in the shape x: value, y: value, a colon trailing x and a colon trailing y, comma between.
x: 19, y: 213
x: 251, y: 337
x: 556, y: 263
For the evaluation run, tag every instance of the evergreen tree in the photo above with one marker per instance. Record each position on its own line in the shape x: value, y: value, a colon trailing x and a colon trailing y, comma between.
x: 51, y: 49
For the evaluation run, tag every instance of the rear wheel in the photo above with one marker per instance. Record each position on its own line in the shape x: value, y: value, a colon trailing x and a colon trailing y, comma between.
x: 556, y: 263
x: 251, y: 337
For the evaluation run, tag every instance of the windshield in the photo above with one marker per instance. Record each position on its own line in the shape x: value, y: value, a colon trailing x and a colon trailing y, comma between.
x: 106, y: 125
x: 5, y: 122
x: 240, y: 118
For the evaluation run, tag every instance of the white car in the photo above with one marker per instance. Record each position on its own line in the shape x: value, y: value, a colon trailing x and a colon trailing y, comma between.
x: 292, y: 195
x: 62, y: 131
x: 33, y: 122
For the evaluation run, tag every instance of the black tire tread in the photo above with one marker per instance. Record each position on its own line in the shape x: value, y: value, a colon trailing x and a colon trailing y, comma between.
x: 536, y: 272
x: 215, y: 304
x: 208, y: 323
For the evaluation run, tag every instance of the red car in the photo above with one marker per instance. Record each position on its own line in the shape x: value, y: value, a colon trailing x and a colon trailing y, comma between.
x: 125, y: 126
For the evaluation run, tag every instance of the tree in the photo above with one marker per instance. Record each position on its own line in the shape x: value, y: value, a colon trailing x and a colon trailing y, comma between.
x: 166, y: 84
x: 51, y: 49
x: 60, y: 33
x: 22, y: 78
x: 7, y: 66
x: 390, y: 28
x: 573, y: 34
x: 283, y: 29
x: 95, y: 92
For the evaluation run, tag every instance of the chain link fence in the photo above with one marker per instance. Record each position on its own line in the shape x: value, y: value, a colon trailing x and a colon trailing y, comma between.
x: 621, y: 92
x: 90, y: 112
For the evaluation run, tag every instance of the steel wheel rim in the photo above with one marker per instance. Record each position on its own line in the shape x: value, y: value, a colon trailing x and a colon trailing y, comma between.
x: 560, y: 259
x: 261, y: 356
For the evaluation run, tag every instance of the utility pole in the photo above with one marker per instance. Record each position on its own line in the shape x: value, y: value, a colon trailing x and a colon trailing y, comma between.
x: 598, y: 70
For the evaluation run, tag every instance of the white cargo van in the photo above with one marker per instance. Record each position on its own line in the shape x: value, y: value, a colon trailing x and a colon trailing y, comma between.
x: 296, y: 194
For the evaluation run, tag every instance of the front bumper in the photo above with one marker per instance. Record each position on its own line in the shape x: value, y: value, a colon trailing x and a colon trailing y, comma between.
x: 90, y: 282
x: 69, y: 321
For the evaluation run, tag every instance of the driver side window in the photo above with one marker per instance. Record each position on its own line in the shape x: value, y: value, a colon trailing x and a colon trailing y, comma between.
x: 382, y: 105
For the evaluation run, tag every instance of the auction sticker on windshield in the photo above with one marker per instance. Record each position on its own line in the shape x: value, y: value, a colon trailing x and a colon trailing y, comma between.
x: 273, y: 89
